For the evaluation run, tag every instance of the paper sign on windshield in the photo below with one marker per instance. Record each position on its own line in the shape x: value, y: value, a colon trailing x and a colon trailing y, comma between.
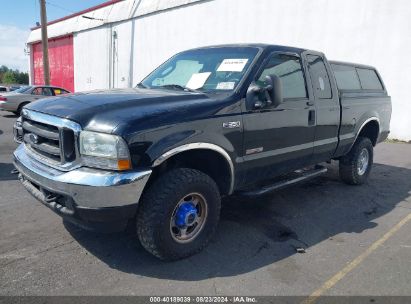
x: 225, y: 85
x: 232, y: 65
x: 197, y: 80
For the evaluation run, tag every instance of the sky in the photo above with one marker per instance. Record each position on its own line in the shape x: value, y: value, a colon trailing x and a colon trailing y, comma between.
x: 18, y: 16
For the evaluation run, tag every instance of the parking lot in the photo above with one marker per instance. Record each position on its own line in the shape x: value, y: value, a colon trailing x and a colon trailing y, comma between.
x: 357, y: 241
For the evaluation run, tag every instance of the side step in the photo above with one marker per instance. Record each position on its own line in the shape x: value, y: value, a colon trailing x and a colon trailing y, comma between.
x: 299, y: 176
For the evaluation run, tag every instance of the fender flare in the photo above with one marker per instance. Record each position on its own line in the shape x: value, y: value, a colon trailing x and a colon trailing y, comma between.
x: 196, y: 146
x: 374, y: 118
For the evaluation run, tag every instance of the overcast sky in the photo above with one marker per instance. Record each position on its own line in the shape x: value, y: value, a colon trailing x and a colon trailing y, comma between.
x: 16, y: 19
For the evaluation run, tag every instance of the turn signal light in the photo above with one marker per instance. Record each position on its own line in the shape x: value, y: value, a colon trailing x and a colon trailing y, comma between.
x: 124, y: 164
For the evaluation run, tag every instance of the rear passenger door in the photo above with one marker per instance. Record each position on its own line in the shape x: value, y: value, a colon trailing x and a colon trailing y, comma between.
x: 327, y: 107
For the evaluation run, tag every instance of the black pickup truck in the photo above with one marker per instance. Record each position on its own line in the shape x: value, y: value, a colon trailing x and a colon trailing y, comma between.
x: 208, y: 123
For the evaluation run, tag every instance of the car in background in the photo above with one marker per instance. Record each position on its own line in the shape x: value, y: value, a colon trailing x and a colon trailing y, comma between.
x: 3, y: 89
x: 16, y: 100
x: 13, y: 88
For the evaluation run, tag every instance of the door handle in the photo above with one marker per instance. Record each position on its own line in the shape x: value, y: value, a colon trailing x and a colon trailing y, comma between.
x: 311, y: 117
x: 309, y: 103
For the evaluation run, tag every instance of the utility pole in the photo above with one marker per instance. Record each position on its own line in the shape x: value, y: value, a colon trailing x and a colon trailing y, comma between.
x: 45, y: 43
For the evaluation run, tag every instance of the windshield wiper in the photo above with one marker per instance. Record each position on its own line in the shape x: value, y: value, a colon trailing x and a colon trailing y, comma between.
x: 179, y: 87
x: 141, y: 85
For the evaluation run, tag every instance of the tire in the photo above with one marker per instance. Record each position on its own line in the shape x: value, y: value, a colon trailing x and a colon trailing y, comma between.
x: 355, y: 167
x: 170, y: 196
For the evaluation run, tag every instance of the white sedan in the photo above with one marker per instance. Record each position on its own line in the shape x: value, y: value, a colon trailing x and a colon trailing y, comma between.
x: 14, y: 101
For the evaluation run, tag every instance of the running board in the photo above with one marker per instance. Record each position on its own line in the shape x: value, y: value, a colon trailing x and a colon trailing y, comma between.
x: 304, y: 175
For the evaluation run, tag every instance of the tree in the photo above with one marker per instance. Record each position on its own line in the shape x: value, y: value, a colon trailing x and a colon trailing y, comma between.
x: 22, y: 78
x: 9, y: 77
x: 3, y: 69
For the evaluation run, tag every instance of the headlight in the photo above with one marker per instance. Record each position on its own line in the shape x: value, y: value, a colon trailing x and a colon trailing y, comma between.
x: 104, y: 151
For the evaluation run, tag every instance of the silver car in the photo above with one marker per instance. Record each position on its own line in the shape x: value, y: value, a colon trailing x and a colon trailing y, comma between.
x: 14, y: 101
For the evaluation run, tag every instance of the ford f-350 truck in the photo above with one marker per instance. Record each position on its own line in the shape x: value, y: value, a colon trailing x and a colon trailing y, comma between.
x: 209, y: 122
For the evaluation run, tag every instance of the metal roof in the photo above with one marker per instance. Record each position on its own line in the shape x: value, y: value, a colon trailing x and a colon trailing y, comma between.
x: 106, y: 13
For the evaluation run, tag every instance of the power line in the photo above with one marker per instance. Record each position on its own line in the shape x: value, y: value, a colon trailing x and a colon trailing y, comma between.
x: 60, y: 7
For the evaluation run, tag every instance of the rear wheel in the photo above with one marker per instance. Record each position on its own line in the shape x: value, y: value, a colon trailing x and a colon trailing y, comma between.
x: 178, y: 214
x: 355, y: 167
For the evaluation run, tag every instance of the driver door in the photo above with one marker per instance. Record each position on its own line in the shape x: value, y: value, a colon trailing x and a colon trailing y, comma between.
x: 279, y: 139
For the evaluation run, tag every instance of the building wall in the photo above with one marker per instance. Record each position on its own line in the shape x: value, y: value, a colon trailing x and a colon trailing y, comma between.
x: 91, y: 59
x: 60, y: 59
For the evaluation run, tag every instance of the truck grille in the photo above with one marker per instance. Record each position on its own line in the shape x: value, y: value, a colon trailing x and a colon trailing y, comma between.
x: 50, y: 139
x: 43, y: 139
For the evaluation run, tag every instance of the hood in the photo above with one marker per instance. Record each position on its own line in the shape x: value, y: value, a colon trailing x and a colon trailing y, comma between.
x: 108, y: 111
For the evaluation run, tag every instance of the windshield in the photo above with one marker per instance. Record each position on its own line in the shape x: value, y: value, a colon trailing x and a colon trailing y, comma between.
x: 22, y: 89
x: 206, y: 70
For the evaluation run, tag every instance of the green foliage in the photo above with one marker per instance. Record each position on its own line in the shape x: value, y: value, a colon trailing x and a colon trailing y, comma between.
x: 9, y: 76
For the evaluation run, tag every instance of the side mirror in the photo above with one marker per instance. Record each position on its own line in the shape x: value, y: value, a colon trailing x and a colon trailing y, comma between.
x: 270, y: 95
x: 274, y: 89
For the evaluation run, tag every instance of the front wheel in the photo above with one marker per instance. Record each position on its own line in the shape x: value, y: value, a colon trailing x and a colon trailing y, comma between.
x: 178, y: 214
x: 356, y: 165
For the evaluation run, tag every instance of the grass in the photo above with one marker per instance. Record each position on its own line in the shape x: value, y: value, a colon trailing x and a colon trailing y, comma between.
x: 397, y: 141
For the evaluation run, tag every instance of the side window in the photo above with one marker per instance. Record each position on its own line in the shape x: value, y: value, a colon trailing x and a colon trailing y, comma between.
x: 346, y: 77
x: 369, y: 79
x: 288, y: 69
x: 37, y: 91
x: 47, y: 92
x: 58, y: 91
x: 319, y: 77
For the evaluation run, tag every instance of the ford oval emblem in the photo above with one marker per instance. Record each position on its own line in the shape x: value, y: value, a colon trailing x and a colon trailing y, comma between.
x: 34, y: 138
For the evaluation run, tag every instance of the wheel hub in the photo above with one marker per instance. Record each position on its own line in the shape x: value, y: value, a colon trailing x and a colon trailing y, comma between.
x: 186, y: 215
x: 188, y: 218
x: 363, y: 161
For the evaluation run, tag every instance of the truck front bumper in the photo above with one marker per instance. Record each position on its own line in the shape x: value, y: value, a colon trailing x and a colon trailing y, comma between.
x: 88, y: 197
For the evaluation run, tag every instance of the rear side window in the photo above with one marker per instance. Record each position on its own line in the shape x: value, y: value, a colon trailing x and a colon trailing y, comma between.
x: 47, y: 92
x: 319, y: 77
x: 346, y: 77
x: 369, y: 79
x: 58, y: 91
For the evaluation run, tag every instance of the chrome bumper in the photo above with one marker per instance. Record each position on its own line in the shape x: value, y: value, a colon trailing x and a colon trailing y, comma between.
x: 18, y: 131
x: 88, y: 188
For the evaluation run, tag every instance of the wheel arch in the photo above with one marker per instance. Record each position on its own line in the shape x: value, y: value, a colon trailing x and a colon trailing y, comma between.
x: 22, y: 104
x: 192, y: 154
x: 370, y: 128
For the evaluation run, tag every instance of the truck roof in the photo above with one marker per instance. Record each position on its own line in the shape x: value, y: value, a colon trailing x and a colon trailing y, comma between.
x: 259, y: 45
x: 358, y: 65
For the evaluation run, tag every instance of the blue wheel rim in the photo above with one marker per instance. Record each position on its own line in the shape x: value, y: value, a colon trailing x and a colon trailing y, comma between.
x: 188, y: 218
